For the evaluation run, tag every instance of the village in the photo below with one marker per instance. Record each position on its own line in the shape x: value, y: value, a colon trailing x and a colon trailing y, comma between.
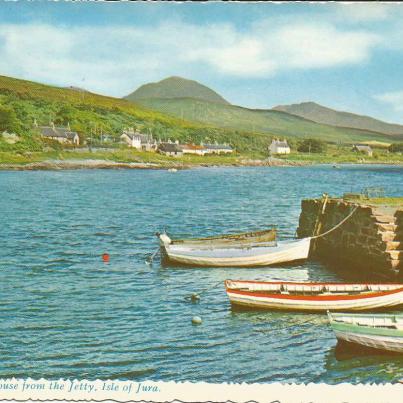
x: 135, y: 139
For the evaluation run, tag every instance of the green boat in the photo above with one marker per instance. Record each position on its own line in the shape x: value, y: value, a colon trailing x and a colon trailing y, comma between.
x: 379, y: 331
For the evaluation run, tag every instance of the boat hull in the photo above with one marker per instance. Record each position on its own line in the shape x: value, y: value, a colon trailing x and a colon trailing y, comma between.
x: 387, y: 338
x: 283, y: 252
x: 377, y: 342
x: 256, y: 297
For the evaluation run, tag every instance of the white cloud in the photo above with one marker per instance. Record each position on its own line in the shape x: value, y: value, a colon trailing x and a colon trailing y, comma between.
x: 115, y: 59
x: 320, y: 45
x: 394, y: 98
x: 365, y: 11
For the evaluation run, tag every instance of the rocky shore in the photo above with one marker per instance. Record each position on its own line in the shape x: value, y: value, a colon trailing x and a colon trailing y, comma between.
x: 108, y: 164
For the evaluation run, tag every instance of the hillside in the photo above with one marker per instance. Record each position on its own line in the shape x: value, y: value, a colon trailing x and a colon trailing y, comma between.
x: 89, y: 114
x: 265, y: 121
x: 176, y: 87
x: 322, y: 114
x: 21, y: 102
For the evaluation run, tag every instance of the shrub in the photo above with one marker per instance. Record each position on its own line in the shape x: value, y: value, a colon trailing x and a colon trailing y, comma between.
x: 312, y: 146
x: 8, y: 119
x: 396, y: 148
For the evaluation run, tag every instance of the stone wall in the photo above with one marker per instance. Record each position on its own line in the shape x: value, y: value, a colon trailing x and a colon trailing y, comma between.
x: 369, y: 242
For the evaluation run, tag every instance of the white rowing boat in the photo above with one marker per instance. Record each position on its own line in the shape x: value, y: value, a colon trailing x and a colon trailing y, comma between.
x: 235, y: 255
x: 223, y: 241
x: 381, y: 331
x: 313, y: 296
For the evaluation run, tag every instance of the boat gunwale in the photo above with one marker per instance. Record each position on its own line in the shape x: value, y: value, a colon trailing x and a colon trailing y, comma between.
x: 368, y: 330
x: 333, y: 315
x: 233, y: 237
x: 310, y: 283
x: 368, y: 295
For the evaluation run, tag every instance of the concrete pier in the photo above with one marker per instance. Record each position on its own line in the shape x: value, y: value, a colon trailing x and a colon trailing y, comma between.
x: 369, y: 242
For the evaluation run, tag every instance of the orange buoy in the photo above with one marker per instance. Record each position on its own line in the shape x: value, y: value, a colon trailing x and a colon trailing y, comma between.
x: 105, y: 257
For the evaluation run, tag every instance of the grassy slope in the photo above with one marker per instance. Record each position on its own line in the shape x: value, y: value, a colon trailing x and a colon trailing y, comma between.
x: 269, y: 121
x: 31, y: 100
x: 84, y: 111
x: 49, y: 95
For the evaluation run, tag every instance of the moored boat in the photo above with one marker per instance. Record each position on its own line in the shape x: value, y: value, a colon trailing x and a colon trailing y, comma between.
x: 308, y: 296
x: 380, y: 331
x: 249, y: 254
x: 219, y: 241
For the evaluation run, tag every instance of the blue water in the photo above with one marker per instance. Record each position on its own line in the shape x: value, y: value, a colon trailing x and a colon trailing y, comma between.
x: 65, y: 313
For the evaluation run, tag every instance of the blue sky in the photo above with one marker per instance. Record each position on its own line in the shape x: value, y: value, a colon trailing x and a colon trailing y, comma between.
x: 345, y: 56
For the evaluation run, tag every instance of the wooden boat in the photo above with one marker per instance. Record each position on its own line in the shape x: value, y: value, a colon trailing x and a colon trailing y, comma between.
x: 235, y: 254
x: 381, y: 331
x: 313, y: 296
x: 219, y: 241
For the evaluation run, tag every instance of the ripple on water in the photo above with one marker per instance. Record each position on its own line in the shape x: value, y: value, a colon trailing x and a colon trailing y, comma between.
x: 65, y: 313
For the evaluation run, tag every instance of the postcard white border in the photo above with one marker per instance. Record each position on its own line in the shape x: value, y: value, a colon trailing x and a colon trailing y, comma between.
x: 22, y: 390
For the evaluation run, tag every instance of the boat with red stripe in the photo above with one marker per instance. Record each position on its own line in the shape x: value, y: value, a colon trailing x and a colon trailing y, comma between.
x: 311, y: 296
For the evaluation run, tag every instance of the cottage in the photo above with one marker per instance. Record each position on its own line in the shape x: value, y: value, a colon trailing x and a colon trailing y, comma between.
x: 193, y: 149
x: 279, y: 147
x: 63, y: 135
x: 138, y: 140
x: 170, y: 149
x: 218, y: 148
x: 363, y: 148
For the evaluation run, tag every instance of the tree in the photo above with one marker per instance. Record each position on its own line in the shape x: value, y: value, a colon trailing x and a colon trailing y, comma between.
x: 396, y: 148
x: 8, y: 119
x: 65, y: 115
x: 312, y: 146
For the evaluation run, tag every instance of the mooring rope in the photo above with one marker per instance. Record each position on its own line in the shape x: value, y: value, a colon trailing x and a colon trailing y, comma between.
x: 196, y: 296
x: 336, y: 226
x: 151, y: 257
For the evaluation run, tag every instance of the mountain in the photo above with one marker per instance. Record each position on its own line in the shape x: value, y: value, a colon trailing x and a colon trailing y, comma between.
x: 192, y: 101
x: 89, y: 114
x: 271, y: 122
x: 176, y: 87
x: 322, y: 114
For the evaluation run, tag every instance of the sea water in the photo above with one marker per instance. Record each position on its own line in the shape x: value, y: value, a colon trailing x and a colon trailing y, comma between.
x: 64, y: 313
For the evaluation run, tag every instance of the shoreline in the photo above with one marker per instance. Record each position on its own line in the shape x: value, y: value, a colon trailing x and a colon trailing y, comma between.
x: 73, y: 164
x: 56, y: 165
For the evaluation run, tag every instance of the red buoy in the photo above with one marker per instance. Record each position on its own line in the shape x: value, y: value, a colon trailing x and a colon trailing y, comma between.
x: 105, y: 257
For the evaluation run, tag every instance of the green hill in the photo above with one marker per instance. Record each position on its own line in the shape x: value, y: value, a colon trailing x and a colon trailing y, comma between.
x: 321, y: 114
x: 263, y: 121
x: 89, y: 114
x: 21, y: 102
x: 176, y: 87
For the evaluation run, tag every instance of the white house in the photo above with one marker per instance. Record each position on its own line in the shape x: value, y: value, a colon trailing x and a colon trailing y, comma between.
x: 279, y: 147
x: 363, y: 148
x: 218, y: 148
x: 138, y: 140
x: 193, y: 149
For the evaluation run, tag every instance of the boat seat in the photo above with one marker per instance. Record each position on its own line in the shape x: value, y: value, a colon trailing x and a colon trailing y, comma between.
x: 284, y: 289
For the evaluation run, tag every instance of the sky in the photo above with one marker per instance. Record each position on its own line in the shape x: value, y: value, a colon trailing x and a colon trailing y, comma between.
x: 347, y: 56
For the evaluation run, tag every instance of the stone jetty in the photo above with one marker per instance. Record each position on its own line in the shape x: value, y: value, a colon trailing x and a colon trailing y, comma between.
x: 369, y: 243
